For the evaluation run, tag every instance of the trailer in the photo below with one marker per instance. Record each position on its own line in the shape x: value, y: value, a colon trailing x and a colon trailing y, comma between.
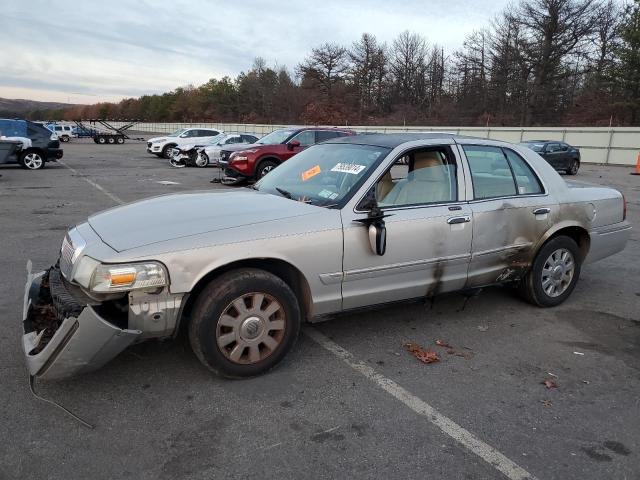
x: 104, y: 133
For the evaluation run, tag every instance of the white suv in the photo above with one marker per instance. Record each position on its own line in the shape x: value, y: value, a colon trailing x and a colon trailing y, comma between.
x: 162, y: 146
x: 64, y: 132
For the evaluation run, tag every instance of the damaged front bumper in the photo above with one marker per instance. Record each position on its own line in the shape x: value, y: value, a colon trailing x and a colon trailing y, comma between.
x: 64, y: 335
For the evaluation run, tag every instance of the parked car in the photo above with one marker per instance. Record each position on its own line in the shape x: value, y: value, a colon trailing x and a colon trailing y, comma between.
x: 255, y: 161
x: 42, y: 146
x: 162, y: 146
x: 339, y: 228
x: 560, y: 155
x: 203, y: 154
x: 64, y: 132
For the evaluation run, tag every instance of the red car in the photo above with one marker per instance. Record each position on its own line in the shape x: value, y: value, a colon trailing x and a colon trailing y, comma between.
x: 254, y: 161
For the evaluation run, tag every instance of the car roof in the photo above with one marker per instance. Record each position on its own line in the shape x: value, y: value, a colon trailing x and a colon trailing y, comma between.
x: 392, y: 140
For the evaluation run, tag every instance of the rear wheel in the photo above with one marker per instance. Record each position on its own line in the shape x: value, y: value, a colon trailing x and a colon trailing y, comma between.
x: 265, y: 167
x: 102, y: 140
x: 64, y: 139
x: 32, y: 160
x: 575, y: 165
x: 244, y: 323
x: 120, y: 140
x: 111, y: 140
x: 554, y: 273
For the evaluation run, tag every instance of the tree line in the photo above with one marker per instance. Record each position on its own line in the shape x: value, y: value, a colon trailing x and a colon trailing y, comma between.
x: 539, y: 62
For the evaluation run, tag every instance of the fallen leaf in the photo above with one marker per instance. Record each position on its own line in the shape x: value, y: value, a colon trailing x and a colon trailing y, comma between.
x: 483, y: 328
x: 442, y: 343
x: 549, y: 384
x: 425, y: 356
x: 578, y: 353
x: 547, y: 403
x: 450, y: 351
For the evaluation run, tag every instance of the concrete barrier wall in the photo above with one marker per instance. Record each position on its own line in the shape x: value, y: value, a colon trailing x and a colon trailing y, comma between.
x: 616, y: 146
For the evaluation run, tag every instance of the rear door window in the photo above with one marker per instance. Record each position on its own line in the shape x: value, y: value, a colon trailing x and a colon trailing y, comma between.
x: 526, y: 180
x: 322, y: 135
x: 306, y: 137
x: 490, y: 172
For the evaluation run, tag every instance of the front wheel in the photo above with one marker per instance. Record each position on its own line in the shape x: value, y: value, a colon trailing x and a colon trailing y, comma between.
x: 32, y: 160
x: 554, y: 273
x: 573, y: 169
x: 167, y: 151
x: 265, y: 167
x: 202, y: 160
x: 244, y: 323
x: 64, y: 139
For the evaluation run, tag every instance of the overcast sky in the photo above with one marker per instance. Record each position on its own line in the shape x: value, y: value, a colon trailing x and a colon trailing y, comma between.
x: 89, y: 51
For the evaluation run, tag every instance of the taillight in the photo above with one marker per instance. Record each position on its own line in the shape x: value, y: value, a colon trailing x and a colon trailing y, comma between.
x: 624, y: 208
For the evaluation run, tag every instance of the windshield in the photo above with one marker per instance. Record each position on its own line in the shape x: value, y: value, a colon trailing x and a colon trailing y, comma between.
x: 276, y: 137
x: 177, y: 132
x: 536, y: 147
x: 323, y: 174
x: 216, y: 139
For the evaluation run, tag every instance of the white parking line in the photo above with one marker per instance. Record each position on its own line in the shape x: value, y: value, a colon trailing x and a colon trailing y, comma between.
x: 119, y: 201
x: 485, y: 451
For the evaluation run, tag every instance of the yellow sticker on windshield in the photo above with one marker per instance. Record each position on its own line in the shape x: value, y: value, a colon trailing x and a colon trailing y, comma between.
x: 312, y: 172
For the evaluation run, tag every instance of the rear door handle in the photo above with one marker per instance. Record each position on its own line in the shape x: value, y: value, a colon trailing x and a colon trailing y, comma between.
x: 542, y: 211
x: 454, y: 220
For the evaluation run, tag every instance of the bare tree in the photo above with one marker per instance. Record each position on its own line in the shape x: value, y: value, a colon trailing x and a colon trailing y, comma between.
x: 367, y: 71
x: 326, y: 66
x: 408, y: 65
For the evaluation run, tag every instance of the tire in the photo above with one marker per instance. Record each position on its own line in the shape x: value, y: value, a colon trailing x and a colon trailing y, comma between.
x: 64, y: 139
x: 166, y: 151
x: 225, y: 337
x: 119, y: 140
x: 111, y: 140
x: 547, y: 285
x: 32, y: 160
x: 95, y: 139
x: 265, y: 167
x: 102, y: 140
x: 202, y: 160
x: 573, y: 169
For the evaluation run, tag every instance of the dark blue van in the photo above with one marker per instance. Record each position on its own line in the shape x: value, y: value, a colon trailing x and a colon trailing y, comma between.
x: 45, y: 146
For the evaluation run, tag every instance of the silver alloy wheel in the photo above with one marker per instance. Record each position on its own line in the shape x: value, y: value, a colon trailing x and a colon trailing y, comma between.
x: 250, y: 328
x: 574, y: 167
x: 557, y: 272
x: 266, y: 170
x: 33, y: 161
x: 202, y: 160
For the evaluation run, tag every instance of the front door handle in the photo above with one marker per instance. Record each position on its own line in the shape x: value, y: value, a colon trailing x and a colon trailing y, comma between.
x: 542, y: 211
x: 454, y: 220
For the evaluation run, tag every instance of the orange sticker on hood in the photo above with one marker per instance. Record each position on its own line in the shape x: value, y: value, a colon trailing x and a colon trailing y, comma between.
x: 312, y: 172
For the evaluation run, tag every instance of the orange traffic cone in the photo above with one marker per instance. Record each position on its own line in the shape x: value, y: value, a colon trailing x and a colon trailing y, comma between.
x: 637, y: 172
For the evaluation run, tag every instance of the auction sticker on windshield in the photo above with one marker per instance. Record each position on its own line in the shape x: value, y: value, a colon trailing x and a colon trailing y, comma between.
x: 312, y: 172
x: 348, y: 168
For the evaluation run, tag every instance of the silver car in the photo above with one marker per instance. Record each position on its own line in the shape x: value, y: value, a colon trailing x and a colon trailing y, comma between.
x: 350, y: 223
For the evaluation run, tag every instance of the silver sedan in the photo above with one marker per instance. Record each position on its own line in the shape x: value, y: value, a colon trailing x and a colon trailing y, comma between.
x: 351, y: 223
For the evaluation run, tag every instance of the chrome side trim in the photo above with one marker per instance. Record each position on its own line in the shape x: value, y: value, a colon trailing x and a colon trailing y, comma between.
x: 503, y: 249
x: 394, y: 269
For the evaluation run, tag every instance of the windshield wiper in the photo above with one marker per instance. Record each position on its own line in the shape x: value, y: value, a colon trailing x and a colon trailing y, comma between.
x: 284, y: 193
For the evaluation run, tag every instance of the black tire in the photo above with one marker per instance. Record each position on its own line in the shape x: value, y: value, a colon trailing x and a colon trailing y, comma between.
x: 217, y: 298
x: 573, y: 169
x: 64, y: 139
x: 32, y: 160
x: 532, y: 285
x: 95, y: 139
x: 166, y: 151
x: 102, y: 140
x: 264, y: 167
x: 119, y: 140
x: 111, y: 140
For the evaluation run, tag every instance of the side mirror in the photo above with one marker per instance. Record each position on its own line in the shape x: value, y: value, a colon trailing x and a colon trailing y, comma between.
x: 184, y: 135
x: 378, y: 237
x: 292, y: 144
x: 376, y: 230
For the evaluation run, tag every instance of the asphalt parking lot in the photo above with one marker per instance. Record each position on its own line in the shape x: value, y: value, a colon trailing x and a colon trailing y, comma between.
x: 350, y: 401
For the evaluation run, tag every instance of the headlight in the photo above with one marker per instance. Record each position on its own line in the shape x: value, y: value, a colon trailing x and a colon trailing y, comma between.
x: 238, y: 158
x: 122, y: 277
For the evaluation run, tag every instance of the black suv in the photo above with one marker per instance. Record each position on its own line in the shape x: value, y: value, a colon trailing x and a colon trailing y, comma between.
x: 45, y: 146
x: 559, y: 155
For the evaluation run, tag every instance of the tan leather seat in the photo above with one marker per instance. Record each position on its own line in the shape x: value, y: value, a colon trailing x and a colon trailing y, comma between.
x: 426, y: 183
x: 384, y: 186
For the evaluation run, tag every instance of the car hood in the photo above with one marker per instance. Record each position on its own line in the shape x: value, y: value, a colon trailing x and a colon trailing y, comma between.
x: 236, y: 147
x: 170, y: 217
x: 157, y: 139
x: 189, y: 146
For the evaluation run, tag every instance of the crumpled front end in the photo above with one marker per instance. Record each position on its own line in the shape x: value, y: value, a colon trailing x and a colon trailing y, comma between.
x: 64, y: 334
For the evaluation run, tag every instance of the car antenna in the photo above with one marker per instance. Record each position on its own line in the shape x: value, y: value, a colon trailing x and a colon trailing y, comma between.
x: 32, y: 382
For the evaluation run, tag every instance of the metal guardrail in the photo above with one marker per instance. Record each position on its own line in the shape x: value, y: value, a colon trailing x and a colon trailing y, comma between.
x: 601, y: 145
